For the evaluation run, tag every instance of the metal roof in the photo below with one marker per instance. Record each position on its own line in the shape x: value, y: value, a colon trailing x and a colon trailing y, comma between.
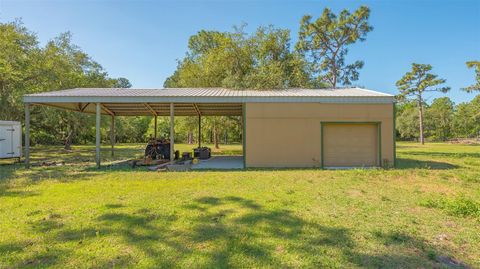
x: 193, y: 101
x: 210, y: 92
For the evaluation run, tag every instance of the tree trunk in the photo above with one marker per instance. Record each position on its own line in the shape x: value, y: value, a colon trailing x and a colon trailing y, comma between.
x: 225, y: 137
x: 215, y: 136
x: 420, y: 110
x: 190, y: 137
x: 334, y: 65
x: 334, y: 84
x: 68, y: 141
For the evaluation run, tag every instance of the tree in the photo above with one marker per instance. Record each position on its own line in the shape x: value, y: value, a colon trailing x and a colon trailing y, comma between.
x: 19, y: 60
x: 26, y: 67
x: 407, y: 120
x: 122, y: 83
x: 262, y: 60
x: 476, y: 86
x: 444, y: 119
x: 274, y: 66
x: 213, y: 59
x: 467, y: 119
x: 440, y: 118
x: 188, y: 125
x: 324, y: 44
x: 65, y: 65
x: 416, y: 82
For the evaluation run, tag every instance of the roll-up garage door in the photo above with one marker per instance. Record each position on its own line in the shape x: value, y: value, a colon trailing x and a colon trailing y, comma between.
x: 350, y: 144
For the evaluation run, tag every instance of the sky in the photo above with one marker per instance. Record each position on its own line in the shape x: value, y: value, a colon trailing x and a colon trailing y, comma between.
x: 143, y: 40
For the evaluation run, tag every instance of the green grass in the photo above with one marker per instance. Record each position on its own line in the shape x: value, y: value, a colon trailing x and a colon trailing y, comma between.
x: 457, y: 206
x: 416, y: 216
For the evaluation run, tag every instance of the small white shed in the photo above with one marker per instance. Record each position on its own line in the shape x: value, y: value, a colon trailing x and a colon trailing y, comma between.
x: 10, y: 139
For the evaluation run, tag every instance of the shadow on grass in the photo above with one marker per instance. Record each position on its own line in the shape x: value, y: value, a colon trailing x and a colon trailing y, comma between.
x: 405, y: 163
x: 14, y: 193
x: 36, y: 175
x: 223, y: 232
x: 75, y: 173
x: 402, y: 240
x: 31, y: 259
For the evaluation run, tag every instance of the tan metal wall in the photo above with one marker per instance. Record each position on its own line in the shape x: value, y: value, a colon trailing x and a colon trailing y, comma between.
x: 288, y: 134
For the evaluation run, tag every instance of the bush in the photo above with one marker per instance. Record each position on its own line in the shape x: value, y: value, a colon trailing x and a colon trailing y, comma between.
x: 43, y: 138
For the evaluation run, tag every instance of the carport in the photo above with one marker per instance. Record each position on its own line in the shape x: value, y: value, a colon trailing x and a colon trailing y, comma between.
x: 133, y: 102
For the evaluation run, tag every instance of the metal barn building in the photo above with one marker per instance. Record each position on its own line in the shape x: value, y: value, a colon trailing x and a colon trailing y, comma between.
x: 324, y: 128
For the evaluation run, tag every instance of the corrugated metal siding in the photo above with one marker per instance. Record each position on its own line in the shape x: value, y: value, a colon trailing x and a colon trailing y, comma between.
x: 268, y: 126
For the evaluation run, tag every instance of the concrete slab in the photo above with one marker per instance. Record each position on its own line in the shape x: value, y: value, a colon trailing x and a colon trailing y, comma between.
x: 220, y: 162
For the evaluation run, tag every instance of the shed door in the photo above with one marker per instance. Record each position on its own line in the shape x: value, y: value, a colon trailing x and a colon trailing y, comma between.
x: 350, y: 145
x: 16, y: 131
x: 5, y: 141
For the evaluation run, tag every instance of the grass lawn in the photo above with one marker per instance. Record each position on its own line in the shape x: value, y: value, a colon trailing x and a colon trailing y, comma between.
x: 424, y: 214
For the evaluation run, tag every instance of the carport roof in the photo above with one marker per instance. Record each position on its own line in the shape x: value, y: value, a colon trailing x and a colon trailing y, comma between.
x: 194, y: 101
x: 210, y: 92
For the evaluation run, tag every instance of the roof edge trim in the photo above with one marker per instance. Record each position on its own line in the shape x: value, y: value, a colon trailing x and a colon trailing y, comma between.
x: 209, y: 99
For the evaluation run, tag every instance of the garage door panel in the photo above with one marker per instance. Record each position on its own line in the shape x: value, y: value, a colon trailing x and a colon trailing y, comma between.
x: 350, y: 145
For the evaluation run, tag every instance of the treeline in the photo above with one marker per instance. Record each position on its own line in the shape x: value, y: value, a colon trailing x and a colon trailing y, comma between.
x: 26, y: 67
x: 443, y: 120
x: 267, y: 59
x: 264, y: 59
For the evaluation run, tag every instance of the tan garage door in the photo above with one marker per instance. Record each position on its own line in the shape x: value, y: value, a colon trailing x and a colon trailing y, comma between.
x: 350, y: 144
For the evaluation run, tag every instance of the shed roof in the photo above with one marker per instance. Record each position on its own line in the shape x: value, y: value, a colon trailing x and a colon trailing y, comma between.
x: 193, y: 101
x: 6, y: 122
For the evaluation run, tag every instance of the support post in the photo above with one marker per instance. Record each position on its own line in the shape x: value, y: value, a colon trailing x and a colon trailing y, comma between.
x: 112, y: 135
x: 155, y: 131
x: 27, y: 135
x: 97, y: 134
x: 244, y: 134
x: 199, y: 131
x: 172, y: 133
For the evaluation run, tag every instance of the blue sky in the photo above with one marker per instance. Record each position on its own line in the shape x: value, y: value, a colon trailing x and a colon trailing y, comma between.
x: 141, y: 40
